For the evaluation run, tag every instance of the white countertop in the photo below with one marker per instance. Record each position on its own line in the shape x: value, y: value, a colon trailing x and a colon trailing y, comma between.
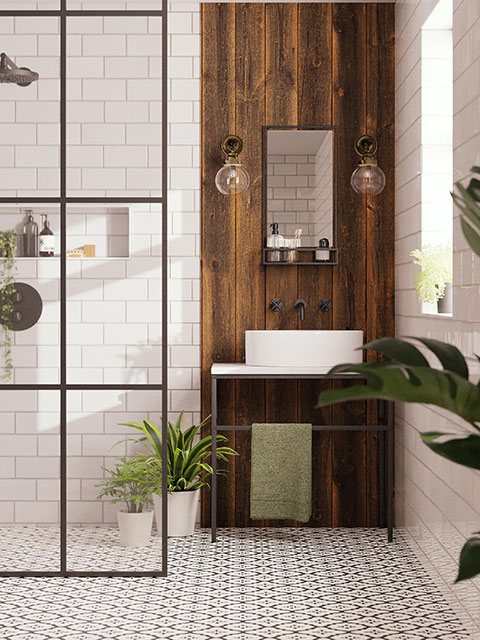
x: 222, y: 369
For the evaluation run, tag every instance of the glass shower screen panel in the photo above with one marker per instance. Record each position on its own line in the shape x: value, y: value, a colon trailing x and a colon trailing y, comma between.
x: 95, y: 541
x: 30, y: 481
x: 114, y: 106
x: 114, y: 294
x: 114, y: 5
x: 30, y: 113
x: 33, y: 325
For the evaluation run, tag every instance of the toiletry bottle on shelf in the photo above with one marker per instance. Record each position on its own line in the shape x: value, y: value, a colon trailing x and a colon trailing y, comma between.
x: 30, y: 236
x: 46, y: 240
x: 275, y: 240
x: 322, y: 254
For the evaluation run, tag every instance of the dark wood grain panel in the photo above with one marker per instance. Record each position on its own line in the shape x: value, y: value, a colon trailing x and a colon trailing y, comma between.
x: 380, y: 281
x: 349, y: 96
x: 315, y: 108
x: 218, y: 227
x: 250, y: 274
x: 274, y: 64
x: 281, y: 108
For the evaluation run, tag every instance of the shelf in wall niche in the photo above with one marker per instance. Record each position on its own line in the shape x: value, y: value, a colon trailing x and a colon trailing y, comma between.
x: 106, y: 227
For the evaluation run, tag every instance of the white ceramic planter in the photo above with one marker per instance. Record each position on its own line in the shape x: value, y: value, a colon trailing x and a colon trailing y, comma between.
x: 135, y: 528
x: 182, y: 512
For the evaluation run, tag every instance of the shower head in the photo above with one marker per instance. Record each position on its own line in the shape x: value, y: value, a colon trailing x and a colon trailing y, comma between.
x: 9, y: 72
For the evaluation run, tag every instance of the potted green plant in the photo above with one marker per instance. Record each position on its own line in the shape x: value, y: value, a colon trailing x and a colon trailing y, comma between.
x: 434, y: 282
x: 8, y: 271
x: 408, y: 377
x: 188, y: 469
x: 132, y: 483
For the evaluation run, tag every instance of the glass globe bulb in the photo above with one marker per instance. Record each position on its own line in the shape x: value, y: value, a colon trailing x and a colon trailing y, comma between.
x: 368, y: 178
x: 232, y: 179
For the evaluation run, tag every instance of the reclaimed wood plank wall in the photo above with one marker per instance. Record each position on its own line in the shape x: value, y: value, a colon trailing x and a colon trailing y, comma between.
x: 308, y: 63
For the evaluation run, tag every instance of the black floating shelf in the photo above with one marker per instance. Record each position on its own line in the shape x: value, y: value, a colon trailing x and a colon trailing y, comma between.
x: 284, y: 263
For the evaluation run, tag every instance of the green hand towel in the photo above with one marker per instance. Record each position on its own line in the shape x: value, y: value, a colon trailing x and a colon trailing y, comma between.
x: 281, y: 475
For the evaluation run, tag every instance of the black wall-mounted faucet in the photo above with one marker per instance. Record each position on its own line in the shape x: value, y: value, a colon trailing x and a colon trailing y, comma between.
x: 301, y: 305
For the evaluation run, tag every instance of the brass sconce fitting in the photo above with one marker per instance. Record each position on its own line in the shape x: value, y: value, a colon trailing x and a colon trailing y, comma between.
x: 232, y: 178
x: 368, y: 177
x: 366, y: 147
x: 232, y: 147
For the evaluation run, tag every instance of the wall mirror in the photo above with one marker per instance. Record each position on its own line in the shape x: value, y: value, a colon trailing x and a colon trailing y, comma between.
x: 299, y: 195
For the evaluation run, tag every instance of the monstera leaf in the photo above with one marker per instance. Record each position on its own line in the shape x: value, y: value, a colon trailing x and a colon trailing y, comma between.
x: 408, y: 377
x: 467, y: 200
x: 459, y: 449
x: 469, y: 565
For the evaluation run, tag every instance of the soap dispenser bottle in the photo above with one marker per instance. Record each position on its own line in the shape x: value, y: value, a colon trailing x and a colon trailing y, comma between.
x: 322, y: 254
x: 275, y: 240
x: 30, y: 236
x: 46, y: 239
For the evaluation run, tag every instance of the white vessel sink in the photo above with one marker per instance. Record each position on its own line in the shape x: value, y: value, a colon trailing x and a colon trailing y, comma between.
x: 302, y: 348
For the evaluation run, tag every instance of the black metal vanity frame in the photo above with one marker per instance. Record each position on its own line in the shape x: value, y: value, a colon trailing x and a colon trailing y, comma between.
x: 62, y: 13
x: 334, y: 249
x: 385, y: 426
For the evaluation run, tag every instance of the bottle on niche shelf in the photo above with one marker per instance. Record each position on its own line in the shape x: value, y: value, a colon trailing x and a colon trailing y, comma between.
x: 46, y: 239
x: 30, y: 236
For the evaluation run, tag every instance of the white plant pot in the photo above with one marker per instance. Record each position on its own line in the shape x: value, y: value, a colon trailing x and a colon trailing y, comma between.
x: 135, y: 528
x: 182, y: 512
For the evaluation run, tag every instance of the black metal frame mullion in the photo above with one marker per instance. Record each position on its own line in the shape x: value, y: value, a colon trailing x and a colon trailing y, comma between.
x: 63, y: 200
x: 63, y: 288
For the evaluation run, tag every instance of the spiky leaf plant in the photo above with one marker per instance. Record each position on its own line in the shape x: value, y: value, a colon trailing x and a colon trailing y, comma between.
x: 188, y: 468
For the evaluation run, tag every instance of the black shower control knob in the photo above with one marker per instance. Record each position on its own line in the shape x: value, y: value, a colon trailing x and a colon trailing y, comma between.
x: 275, y: 304
x: 325, y: 304
x: 27, y: 305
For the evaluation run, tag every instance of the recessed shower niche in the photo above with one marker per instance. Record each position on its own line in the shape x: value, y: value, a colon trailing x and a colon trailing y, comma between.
x: 93, y: 231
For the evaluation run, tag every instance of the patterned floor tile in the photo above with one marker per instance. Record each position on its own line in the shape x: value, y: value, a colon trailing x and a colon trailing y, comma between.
x: 253, y: 584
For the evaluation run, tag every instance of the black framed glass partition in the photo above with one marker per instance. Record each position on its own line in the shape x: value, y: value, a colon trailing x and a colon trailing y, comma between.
x: 83, y: 255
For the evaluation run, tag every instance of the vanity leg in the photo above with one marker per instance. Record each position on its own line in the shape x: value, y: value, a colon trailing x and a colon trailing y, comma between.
x: 390, y: 472
x: 381, y: 478
x: 213, y: 425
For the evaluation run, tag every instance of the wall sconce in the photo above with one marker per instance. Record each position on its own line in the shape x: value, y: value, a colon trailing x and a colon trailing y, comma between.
x: 232, y: 178
x: 367, y: 178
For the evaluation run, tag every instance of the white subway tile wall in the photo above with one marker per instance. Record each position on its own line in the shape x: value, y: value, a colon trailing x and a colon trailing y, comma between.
x: 436, y: 500
x: 291, y: 195
x: 114, y: 332
x: 323, y: 193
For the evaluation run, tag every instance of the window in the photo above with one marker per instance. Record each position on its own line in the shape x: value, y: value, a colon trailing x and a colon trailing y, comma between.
x: 436, y: 127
